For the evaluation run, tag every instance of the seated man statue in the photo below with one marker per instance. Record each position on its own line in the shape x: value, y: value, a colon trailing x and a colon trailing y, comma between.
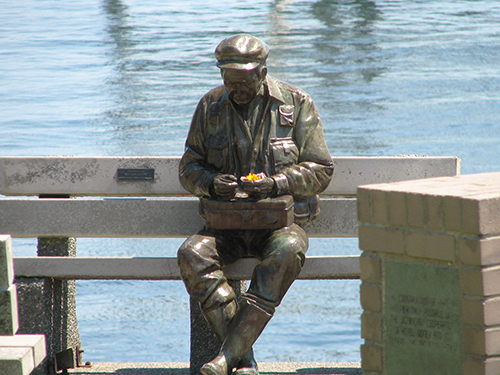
x: 252, y: 123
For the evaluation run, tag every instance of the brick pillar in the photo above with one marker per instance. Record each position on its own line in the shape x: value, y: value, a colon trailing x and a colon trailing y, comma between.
x: 430, y: 272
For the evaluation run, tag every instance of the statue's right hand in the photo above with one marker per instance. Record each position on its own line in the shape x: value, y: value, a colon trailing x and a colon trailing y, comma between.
x: 225, y: 185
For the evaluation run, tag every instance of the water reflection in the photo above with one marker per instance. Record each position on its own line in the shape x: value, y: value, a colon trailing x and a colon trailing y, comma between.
x: 124, y: 85
x: 349, y: 60
x: 330, y: 49
x: 346, y: 47
x: 278, y: 37
x: 141, y: 83
x: 320, y: 47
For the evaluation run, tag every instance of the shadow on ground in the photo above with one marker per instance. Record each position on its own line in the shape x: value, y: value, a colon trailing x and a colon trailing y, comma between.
x: 173, y: 371
x: 265, y: 369
x: 326, y: 371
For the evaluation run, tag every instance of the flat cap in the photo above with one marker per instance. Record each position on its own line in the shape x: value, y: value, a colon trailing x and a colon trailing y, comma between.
x: 244, y: 52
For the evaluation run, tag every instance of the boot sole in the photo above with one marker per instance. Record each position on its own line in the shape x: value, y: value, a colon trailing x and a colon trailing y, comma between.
x: 210, y: 369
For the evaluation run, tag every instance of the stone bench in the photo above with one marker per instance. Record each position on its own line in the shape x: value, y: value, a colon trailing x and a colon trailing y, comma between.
x: 19, y: 354
x: 142, y: 197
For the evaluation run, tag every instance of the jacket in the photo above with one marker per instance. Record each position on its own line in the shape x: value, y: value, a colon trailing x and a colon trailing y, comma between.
x: 282, y: 136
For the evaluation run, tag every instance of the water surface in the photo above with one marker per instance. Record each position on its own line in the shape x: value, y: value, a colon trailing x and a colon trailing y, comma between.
x: 122, y: 77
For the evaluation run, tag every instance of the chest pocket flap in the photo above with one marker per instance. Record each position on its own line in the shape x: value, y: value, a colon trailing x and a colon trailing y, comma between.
x: 284, y: 152
x: 286, y: 115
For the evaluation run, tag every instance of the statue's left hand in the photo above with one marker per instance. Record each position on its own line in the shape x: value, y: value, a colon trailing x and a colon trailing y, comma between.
x: 261, y: 187
x: 225, y: 185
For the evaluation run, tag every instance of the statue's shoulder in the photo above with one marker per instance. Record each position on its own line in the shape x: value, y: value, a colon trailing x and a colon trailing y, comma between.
x: 284, y: 85
x: 286, y: 89
x: 215, y: 94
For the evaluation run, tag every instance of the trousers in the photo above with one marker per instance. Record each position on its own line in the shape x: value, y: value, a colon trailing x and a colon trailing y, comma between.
x: 281, y: 255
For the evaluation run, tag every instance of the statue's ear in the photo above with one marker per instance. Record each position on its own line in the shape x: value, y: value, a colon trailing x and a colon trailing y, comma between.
x: 264, y: 72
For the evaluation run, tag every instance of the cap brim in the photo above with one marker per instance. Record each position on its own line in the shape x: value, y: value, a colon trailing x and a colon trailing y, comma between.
x: 237, y: 65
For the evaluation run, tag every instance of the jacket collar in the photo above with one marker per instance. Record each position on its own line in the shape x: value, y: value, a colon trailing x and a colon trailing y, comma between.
x: 274, y: 91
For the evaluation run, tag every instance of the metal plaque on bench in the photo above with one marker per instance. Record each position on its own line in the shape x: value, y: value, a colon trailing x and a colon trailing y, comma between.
x: 136, y: 174
x: 269, y: 213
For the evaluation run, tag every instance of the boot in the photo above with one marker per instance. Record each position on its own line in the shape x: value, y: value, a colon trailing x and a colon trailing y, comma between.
x: 219, y: 320
x: 247, y: 365
x: 220, y: 317
x: 219, y: 310
x: 246, y: 327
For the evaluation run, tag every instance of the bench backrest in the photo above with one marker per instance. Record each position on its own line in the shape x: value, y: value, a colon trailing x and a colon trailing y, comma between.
x: 170, y: 212
x: 158, y: 176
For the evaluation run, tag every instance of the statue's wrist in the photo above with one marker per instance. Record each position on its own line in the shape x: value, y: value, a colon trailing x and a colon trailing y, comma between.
x: 281, y: 185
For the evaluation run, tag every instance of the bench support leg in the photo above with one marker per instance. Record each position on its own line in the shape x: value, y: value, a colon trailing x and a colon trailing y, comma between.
x: 48, y: 306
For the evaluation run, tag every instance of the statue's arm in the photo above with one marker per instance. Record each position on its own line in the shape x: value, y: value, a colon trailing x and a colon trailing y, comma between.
x: 195, y: 174
x: 314, y: 170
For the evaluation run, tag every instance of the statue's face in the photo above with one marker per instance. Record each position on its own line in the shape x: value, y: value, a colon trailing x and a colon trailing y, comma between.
x: 242, y: 85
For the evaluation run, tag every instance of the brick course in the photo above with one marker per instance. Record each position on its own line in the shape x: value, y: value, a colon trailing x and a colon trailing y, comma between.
x: 371, y: 297
x: 371, y: 269
x: 452, y: 213
x: 381, y: 239
x: 481, y: 216
x: 430, y: 245
x: 479, y: 251
x: 415, y: 204
x: 481, y: 312
x: 371, y: 327
x: 483, y: 281
x: 487, y: 366
x: 435, y: 213
x: 482, y: 342
x: 397, y: 209
x: 379, y: 207
x: 371, y: 358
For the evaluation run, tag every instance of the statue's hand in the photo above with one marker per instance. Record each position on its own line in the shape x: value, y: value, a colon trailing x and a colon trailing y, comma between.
x: 258, y: 188
x: 225, y: 185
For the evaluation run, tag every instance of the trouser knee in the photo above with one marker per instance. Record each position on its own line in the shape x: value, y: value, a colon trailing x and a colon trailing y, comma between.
x: 281, y: 264
x: 201, y: 272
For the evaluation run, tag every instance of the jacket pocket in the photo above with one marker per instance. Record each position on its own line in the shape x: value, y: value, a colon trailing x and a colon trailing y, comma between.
x: 286, y: 115
x: 306, y: 210
x: 217, y: 146
x: 284, y: 152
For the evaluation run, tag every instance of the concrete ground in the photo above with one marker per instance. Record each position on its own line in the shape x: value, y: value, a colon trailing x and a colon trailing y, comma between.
x: 266, y: 368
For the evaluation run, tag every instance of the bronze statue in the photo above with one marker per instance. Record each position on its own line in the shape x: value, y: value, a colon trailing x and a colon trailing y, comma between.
x: 251, y: 139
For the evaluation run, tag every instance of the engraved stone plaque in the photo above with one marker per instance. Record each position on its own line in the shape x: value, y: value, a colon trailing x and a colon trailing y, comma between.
x: 422, y: 319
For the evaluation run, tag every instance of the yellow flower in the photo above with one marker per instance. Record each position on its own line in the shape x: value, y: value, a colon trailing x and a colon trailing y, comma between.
x: 255, y: 177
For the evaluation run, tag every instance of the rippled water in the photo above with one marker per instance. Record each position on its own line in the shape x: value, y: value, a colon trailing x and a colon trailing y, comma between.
x: 122, y: 77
